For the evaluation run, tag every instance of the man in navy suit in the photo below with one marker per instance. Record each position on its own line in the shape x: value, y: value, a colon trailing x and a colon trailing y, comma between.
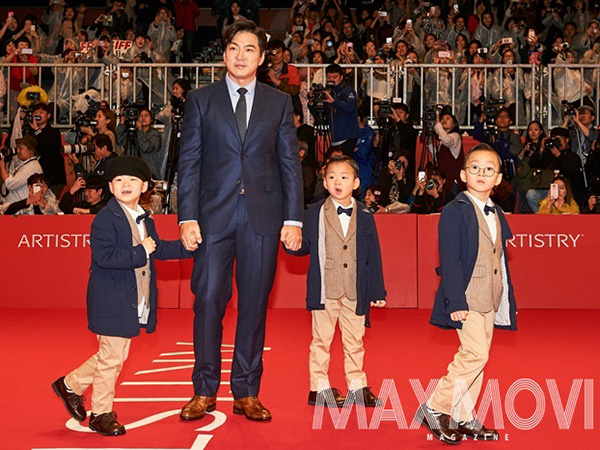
x: 240, y: 182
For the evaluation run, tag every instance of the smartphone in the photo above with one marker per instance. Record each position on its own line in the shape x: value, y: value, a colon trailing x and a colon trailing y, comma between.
x: 124, y: 75
x: 409, y: 23
x: 36, y: 188
x: 32, y: 27
x: 11, y: 14
x: 421, y: 176
x: 388, y: 41
x: 350, y: 46
x: 444, y: 54
x: 299, y: 28
x: 507, y: 40
x: 456, y: 8
x: 531, y: 35
x: 534, y: 58
x: 309, y: 41
x: 554, y: 190
x: 27, y: 51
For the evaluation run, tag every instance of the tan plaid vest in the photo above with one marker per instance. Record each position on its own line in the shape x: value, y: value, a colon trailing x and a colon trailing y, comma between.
x: 142, y: 274
x: 485, y: 288
x: 340, y: 253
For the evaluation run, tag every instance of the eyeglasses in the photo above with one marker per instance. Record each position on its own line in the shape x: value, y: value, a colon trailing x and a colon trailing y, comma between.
x: 474, y: 169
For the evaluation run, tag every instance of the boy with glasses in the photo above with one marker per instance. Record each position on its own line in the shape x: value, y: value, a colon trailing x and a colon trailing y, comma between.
x: 475, y: 295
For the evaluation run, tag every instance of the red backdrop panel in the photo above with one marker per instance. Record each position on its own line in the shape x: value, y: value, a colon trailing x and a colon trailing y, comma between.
x: 397, y: 236
x: 45, y: 262
x: 552, y: 261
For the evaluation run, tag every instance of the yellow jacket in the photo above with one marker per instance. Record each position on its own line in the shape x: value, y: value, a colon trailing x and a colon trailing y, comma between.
x: 566, y: 208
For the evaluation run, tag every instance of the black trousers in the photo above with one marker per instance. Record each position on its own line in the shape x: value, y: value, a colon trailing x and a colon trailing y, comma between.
x: 256, y: 263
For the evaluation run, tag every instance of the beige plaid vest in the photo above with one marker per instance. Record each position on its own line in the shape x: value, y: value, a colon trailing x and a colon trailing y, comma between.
x: 142, y: 274
x: 485, y: 288
x: 340, y: 252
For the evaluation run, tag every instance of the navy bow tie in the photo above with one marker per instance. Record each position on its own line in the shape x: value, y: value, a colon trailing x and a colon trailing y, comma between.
x: 142, y: 217
x: 489, y: 209
x: 341, y: 210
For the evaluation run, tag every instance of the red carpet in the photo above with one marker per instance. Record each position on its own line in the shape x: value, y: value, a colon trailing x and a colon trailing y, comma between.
x: 38, y: 346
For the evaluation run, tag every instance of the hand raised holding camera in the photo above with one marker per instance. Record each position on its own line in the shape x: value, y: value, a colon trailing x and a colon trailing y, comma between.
x: 149, y: 245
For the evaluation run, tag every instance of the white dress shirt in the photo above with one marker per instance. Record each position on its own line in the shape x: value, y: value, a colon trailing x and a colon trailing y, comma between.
x: 234, y: 95
x: 344, y: 218
x: 490, y: 219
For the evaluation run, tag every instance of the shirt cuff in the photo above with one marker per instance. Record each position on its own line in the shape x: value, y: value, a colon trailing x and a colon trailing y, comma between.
x: 186, y: 221
x: 293, y: 223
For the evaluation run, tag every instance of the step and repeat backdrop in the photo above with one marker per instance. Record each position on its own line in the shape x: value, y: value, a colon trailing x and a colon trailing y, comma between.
x: 554, y: 262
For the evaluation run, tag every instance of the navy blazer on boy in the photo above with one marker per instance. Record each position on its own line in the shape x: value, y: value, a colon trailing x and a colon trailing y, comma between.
x: 458, y: 233
x: 369, y: 276
x: 112, y: 298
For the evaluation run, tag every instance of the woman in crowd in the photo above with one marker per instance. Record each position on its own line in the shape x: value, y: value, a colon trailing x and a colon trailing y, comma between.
x: 148, y: 140
x: 564, y: 203
x: 431, y: 194
x: 487, y: 32
x: 373, y: 199
x: 106, y: 125
x: 533, y: 144
x: 449, y: 151
x: 396, y: 184
x: 234, y: 14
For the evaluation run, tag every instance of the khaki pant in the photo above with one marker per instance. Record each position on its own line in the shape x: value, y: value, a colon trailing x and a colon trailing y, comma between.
x: 323, y: 329
x: 101, y: 371
x: 467, y: 366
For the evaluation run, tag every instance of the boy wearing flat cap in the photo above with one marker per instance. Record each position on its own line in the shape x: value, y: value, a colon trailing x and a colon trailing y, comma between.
x: 121, y: 295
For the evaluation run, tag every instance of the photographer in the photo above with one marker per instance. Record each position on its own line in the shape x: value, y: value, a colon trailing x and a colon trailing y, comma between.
x: 148, y: 138
x: 115, y: 19
x: 163, y: 34
x: 502, y: 139
x: 14, y: 177
x: 396, y: 184
x: 533, y: 145
x: 430, y: 194
x: 557, y: 156
x: 40, y: 201
x: 49, y: 147
x: 372, y: 199
x: 593, y: 205
x: 139, y: 51
x: 105, y: 124
x: 563, y: 203
x: 102, y: 154
x: 405, y: 135
x: 93, y: 188
x: 582, y: 133
x: 449, y: 151
x: 341, y: 110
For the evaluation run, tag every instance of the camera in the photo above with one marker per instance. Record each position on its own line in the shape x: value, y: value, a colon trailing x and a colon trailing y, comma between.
x: 144, y: 57
x: 554, y: 142
x: 490, y: 110
x: 8, y: 153
x: 532, y: 148
x: 482, y: 51
x: 374, y: 207
x: 430, y: 117
x: 177, y: 105
x: 430, y: 184
x: 569, y: 109
x: 33, y: 97
x: 87, y: 118
x: 161, y: 185
x: 107, y: 20
x: 78, y: 149
x: 318, y: 94
x: 385, y: 109
x: 399, y: 164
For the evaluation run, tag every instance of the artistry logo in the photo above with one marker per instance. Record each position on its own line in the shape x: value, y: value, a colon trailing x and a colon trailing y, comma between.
x: 72, y: 240
x: 547, y: 240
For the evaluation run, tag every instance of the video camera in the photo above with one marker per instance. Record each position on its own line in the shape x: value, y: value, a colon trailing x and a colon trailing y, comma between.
x: 490, y: 110
x: 131, y: 112
x: 430, y: 118
x: 87, y: 118
x: 385, y: 109
x: 177, y: 105
x: 569, y: 109
x: 7, y: 153
x: 317, y: 93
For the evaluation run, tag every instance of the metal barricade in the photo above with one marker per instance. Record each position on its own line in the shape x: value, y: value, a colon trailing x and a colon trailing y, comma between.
x: 62, y: 83
x: 571, y: 83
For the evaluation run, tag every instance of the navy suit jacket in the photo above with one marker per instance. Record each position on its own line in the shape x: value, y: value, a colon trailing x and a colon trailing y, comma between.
x: 112, y: 298
x: 458, y: 232
x: 214, y: 163
x: 369, y: 273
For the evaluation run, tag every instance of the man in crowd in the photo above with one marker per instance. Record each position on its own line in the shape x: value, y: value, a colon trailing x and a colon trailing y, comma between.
x: 92, y: 188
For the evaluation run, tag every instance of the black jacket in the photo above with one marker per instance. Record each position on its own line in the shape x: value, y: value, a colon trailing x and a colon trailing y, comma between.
x: 49, y: 150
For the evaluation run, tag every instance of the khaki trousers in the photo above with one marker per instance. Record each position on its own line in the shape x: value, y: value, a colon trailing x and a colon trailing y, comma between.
x: 467, y: 366
x: 323, y: 329
x: 101, y: 371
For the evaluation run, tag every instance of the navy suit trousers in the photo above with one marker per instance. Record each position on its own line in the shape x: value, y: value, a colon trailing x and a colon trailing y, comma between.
x: 256, y: 262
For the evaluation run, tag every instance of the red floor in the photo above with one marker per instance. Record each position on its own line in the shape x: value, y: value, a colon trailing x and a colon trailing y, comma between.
x: 37, y: 346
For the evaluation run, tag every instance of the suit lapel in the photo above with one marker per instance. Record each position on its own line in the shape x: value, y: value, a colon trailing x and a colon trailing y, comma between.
x: 482, y: 223
x: 260, y: 106
x: 332, y: 218
x: 224, y: 102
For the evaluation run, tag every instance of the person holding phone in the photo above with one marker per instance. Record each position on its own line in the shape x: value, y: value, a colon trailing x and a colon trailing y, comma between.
x: 40, y: 201
x: 560, y: 198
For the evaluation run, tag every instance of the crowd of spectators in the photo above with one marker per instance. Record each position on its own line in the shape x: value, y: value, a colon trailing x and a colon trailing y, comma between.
x: 558, y: 173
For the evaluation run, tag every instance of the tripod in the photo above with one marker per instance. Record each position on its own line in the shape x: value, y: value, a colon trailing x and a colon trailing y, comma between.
x: 383, y: 151
x: 132, y: 145
x: 172, y: 155
x: 322, y: 137
x: 430, y: 139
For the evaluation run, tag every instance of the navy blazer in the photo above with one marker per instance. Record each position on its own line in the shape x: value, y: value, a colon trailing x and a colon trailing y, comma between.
x: 112, y: 298
x: 369, y: 276
x: 214, y: 163
x: 458, y: 233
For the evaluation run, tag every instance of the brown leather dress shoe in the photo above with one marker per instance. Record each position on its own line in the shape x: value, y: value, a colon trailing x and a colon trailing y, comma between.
x: 197, y: 407
x: 367, y: 396
x: 72, y: 401
x: 106, y: 424
x: 320, y: 397
x: 251, y: 408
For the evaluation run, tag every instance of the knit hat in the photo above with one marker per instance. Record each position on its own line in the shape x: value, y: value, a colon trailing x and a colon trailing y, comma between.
x: 128, y: 165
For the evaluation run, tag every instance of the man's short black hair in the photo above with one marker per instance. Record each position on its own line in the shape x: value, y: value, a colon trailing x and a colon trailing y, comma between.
x: 103, y: 140
x: 246, y: 26
x: 37, y: 178
x: 22, y: 39
x: 275, y: 44
x: 43, y: 106
x: 343, y: 159
x: 334, y: 68
x: 559, y: 131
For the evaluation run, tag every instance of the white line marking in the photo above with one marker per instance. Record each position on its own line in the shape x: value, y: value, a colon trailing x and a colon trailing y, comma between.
x: 164, y: 369
x: 222, y: 345
x: 224, y: 350
x: 183, y: 360
x: 162, y: 399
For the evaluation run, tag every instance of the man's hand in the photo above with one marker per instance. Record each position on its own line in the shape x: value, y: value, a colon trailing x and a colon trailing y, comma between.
x: 329, y: 97
x: 189, y: 233
x: 291, y: 236
x: 459, y: 316
x: 378, y: 304
x: 555, y: 151
x: 81, y: 211
x: 592, y: 202
x: 149, y: 245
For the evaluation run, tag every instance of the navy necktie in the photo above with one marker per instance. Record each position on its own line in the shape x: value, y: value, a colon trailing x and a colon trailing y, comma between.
x: 489, y: 209
x: 341, y: 210
x: 142, y: 217
x: 240, y: 112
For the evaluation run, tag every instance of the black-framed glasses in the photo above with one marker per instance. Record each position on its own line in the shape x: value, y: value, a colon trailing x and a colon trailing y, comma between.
x: 475, y: 169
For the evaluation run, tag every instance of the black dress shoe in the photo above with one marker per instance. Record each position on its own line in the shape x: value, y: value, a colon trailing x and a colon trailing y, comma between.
x: 475, y: 430
x: 368, y: 397
x: 72, y: 401
x: 320, y: 397
x: 438, y: 424
x: 106, y: 424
